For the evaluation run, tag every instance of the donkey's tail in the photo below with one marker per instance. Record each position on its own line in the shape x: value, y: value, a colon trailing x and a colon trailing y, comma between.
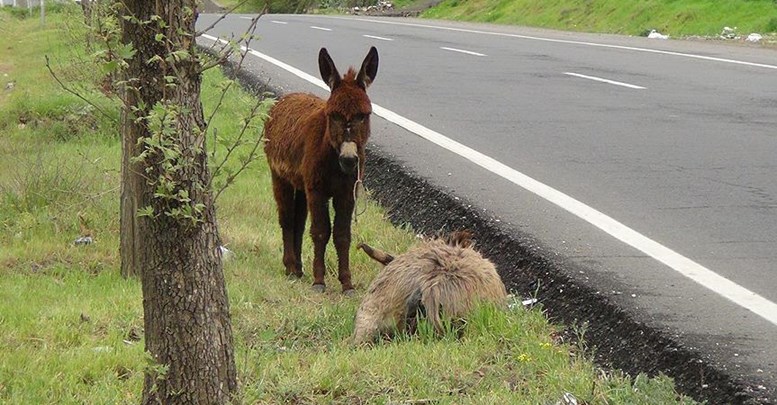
x: 376, y: 254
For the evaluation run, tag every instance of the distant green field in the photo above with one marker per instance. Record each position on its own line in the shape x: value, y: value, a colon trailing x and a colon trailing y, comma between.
x: 674, y: 17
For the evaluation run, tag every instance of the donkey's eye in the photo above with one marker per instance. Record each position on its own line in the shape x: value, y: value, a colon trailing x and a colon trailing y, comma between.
x: 359, y: 117
x: 337, y: 117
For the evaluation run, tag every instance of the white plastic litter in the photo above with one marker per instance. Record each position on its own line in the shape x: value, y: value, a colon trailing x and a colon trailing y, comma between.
x: 657, y: 35
x: 729, y: 33
x: 226, y: 254
x: 567, y: 399
x: 754, y: 37
x: 83, y: 240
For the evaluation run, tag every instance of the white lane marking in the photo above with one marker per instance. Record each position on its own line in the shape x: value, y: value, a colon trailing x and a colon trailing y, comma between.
x: 709, y: 279
x: 247, y: 18
x: 376, y: 37
x: 320, y: 28
x: 599, y: 79
x: 563, y: 41
x: 462, y: 51
x: 278, y: 22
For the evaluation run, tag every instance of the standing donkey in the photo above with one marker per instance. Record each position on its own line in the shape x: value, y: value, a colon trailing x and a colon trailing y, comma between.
x: 315, y: 150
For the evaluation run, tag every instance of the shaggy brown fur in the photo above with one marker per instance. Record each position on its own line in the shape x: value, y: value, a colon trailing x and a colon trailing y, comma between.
x: 315, y: 150
x: 441, y: 277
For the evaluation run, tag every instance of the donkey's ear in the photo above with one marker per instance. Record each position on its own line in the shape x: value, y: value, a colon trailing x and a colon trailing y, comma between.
x: 328, y: 70
x: 369, y: 69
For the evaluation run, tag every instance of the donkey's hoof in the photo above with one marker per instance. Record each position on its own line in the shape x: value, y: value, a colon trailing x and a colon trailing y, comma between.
x: 349, y: 292
x: 319, y: 288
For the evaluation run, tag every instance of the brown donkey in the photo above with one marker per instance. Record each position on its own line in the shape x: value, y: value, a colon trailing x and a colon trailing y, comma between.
x: 315, y: 150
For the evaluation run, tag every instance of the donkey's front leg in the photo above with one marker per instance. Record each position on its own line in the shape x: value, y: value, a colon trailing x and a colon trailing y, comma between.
x: 343, y: 204
x: 320, y: 230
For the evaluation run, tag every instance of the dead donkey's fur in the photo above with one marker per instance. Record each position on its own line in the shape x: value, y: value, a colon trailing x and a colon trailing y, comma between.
x: 441, y: 277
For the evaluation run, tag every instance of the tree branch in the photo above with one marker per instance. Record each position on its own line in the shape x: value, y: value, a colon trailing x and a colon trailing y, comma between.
x: 223, y: 16
x: 75, y: 93
x: 234, y: 146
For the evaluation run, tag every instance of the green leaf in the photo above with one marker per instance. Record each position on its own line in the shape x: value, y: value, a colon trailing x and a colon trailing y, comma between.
x: 110, y: 67
x: 147, y: 211
x: 125, y: 52
x: 155, y: 58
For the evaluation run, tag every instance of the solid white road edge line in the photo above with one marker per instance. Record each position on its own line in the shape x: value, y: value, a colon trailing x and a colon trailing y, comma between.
x: 707, y: 278
x: 599, y: 79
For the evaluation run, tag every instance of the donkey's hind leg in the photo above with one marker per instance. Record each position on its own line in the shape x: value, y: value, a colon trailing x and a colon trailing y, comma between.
x: 284, y: 198
x: 300, y: 216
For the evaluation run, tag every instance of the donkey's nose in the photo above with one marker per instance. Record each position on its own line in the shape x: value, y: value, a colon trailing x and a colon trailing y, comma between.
x: 348, y: 163
x: 348, y: 157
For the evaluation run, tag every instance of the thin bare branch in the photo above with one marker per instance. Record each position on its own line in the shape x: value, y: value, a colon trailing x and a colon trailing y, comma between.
x: 224, y: 92
x: 237, y: 142
x: 223, y: 16
x: 243, y: 55
x: 75, y: 93
x: 243, y: 166
x: 223, y: 54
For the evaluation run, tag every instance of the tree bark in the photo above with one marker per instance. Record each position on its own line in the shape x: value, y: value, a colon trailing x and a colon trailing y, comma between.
x: 186, y: 311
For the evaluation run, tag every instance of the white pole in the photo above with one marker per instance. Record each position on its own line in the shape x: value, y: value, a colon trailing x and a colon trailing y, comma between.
x: 42, y: 12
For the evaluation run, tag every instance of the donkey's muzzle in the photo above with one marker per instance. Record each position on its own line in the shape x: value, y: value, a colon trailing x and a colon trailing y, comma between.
x: 349, y: 160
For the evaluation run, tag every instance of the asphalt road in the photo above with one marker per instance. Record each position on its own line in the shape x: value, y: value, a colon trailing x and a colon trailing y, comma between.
x: 655, y: 160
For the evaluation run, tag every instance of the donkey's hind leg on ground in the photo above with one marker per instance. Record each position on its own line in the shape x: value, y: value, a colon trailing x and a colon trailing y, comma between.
x: 287, y: 216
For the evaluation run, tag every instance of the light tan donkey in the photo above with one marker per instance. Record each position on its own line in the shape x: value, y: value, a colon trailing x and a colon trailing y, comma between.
x: 440, y: 278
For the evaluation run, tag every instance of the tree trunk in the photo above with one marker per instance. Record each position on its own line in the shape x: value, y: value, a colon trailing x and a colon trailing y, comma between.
x: 186, y: 311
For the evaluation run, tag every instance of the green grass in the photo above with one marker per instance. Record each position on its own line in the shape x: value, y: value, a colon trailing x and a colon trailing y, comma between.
x: 630, y: 17
x: 675, y: 17
x: 70, y: 327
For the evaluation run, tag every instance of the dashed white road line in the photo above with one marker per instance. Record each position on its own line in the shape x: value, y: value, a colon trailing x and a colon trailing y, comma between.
x: 561, y: 41
x: 320, y: 28
x: 599, y: 79
x: 707, y: 278
x: 278, y: 22
x: 462, y: 51
x: 377, y: 37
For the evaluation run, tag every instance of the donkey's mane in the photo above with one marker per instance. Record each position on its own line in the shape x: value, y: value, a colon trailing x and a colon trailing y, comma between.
x: 350, y: 75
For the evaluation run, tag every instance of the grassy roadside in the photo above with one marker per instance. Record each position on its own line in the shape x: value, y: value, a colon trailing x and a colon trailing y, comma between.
x: 71, y: 328
x: 677, y: 18
x: 674, y: 17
